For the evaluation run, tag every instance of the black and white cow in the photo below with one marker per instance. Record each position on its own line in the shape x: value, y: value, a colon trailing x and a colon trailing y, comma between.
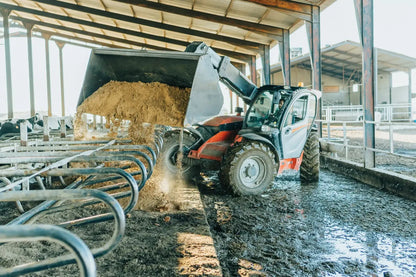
x: 12, y: 126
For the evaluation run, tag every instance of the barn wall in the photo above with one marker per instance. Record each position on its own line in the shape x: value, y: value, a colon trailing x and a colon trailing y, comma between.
x: 383, y: 92
x: 400, y: 95
x: 345, y: 95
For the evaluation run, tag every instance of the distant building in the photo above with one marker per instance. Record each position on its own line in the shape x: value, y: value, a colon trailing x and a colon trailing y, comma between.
x: 342, y: 74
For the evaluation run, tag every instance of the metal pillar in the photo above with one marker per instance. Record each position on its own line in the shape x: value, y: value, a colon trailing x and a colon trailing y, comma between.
x: 253, y: 70
x: 410, y: 93
x: 314, y: 38
x: 375, y: 69
x: 284, y: 47
x: 390, y: 88
x: 63, y: 127
x: 364, y: 12
x: 266, y: 64
x: 29, y: 28
x: 45, y: 128
x: 231, y: 101
x: 5, y: 13
x: 61, y: 74
x: 48, y: 73
x: 23, y: 133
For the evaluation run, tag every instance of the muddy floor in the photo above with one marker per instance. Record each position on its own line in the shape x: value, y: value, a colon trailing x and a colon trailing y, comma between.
x: 338, y: 227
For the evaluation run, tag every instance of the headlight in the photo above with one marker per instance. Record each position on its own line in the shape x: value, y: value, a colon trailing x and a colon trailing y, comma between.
x: 265, y: 128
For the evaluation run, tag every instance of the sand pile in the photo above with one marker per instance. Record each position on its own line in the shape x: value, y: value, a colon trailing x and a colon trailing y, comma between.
x: 144, y: 105
x: 139, y: 102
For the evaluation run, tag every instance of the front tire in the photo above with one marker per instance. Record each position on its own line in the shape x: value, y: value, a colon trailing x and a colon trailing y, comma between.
x: 248, y: 168
x: 309, y: 169
x: 170, y: 154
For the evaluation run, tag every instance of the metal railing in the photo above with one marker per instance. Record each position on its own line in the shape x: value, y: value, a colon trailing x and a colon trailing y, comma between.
x: 342, y: 144
x: 114, y: 169
x: 383, y: 112
x: 75, y: 245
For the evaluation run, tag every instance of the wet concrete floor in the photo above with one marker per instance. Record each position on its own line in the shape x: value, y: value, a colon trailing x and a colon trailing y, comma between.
x: 339, y: 227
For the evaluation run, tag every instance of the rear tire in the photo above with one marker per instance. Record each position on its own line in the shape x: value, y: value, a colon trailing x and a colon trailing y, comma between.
x: 248, y: 168
x: 169, y: 155
x: 309, y: 169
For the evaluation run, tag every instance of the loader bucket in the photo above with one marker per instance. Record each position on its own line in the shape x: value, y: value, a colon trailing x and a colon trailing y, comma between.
x: 180, y: 69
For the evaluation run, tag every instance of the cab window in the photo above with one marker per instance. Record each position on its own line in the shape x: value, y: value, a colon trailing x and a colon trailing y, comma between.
x: 297, y: 112
x: 311, y: 109
x: 260, y: 110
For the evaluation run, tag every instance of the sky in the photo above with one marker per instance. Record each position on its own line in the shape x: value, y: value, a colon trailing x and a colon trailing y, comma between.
x: 393, y: 22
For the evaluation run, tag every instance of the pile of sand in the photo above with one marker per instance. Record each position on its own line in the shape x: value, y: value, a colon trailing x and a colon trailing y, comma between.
x: 155, y: 103
x: 144, y: 105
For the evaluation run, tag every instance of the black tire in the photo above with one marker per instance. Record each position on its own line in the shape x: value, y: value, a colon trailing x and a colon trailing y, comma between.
x: 309, y: 169
x: 169, y: 155
x: 248, y: 168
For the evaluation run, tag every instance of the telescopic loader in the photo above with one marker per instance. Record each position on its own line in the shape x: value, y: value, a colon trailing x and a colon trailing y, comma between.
x: 277, y: 132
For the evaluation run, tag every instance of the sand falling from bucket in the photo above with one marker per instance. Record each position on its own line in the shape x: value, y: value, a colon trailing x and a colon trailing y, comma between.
x: 138, y: 102
x: 144, y: 105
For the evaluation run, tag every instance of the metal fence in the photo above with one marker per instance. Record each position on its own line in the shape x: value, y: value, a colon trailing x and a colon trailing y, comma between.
x: 110, y: 170
x: 342, y: 144
x: 384, y: 113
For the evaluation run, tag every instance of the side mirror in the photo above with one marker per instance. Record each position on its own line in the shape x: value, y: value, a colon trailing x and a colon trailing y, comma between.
x: 238, y: 110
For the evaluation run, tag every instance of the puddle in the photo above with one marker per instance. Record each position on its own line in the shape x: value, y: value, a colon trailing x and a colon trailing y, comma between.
x: 339, y: 227
x: 378, y: 252
x: 363, y: 226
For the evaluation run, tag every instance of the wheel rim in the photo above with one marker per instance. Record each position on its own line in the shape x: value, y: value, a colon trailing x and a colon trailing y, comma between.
x: 252, y: 172
x: 171, y: 159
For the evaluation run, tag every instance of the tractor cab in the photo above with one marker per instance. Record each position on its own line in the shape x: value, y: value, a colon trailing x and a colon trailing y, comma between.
x: 283, y: 116
x: 267, y: 107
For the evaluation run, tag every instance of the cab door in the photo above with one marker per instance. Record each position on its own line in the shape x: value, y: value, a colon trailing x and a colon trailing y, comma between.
x: 296, y: 123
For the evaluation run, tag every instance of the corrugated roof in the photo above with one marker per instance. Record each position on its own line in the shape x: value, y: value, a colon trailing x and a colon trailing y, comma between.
x: 237, y: 28
x: 345, y: 59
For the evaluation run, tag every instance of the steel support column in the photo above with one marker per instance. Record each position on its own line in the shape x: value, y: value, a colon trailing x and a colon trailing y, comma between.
x: 390, y: 88
x: 266, y: 64
x: 253, y: 70
x: 231, y: 101
x: 29, y: 28
x: 284, y: 47
x: 61, y: 74
x: 313, y: 30
x: 364, y: 12
x: 5, y: 13
x: 375, y: 68
x: 48, y: 73
x: 410, y: 93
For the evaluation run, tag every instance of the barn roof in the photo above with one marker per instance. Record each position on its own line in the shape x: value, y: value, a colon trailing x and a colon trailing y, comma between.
x: 236, y: 28
x: 345, y: 59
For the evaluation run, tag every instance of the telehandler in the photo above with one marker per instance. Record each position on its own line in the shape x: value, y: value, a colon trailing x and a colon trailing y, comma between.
x: 277, y: 132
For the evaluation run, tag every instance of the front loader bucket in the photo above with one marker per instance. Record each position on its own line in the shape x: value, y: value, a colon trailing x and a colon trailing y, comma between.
x: 180, y: 69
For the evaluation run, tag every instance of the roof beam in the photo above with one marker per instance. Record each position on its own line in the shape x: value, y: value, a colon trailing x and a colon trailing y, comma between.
x: 83, y: 32
x: 398, y: 67
x: 298, y: 10
x: 135, y: 20
x: 237, y: 56
x: 326, y: 71
x: 341, y: 61
x: 102, y: 26
x: 358, y: 66
x: 70, y: 41
x: 270, y: 31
